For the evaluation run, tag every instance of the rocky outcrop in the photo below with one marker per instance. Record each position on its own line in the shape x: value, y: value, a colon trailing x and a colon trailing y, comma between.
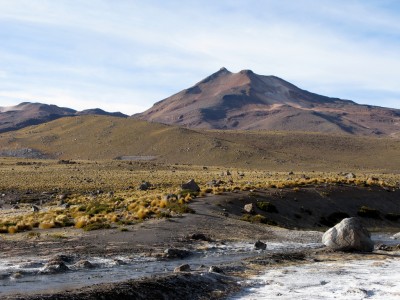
x: 348, y: 235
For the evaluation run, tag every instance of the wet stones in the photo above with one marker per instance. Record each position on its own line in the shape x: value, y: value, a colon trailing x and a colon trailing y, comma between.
x: 182, y: 268
x: 260, y: 245
x: 83, y: 264
x: 54, y: 267
x: 215, y: 269
x: 175, y: 253
x: 199, y: 237
x: 348, y: 235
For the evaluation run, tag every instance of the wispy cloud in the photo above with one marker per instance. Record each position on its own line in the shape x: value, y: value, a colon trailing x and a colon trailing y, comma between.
x: 129, y: 54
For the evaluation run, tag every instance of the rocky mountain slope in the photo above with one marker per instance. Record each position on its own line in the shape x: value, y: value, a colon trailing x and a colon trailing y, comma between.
x: 27, y: 113
x: 245, y: 100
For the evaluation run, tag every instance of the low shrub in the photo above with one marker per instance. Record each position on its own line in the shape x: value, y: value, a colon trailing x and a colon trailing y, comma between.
x: 267, y: 206
x: 96, y: 226
x: 367, y: 212
x: 392, y: 216
x: 257, y: 219
x: 333, y: 218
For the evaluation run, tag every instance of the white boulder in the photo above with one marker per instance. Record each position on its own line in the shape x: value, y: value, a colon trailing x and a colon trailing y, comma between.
x: 348, y: 235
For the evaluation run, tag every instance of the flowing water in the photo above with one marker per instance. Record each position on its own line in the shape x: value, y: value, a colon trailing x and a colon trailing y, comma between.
x: 22, y: 274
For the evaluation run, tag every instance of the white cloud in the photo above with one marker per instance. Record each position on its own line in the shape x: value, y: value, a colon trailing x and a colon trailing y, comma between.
x: 129, y: 54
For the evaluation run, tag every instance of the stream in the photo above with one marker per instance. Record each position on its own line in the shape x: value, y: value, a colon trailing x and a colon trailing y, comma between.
x: 19, y: 275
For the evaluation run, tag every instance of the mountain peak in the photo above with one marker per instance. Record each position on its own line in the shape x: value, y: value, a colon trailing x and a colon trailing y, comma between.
x: 246, y: 100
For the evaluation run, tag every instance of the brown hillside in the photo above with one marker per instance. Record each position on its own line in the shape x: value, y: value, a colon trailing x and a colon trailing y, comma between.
x: 27, y: 114
x: 248, y: 101
x: 103, y: 137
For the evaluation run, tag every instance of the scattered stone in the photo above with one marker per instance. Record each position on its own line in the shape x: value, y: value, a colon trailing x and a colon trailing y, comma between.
x: 191, y: 185
x: 260, y: 245
x: 170, y: 197
x: 249, y: 208
x: 291, y: 173
x: 200, y: 237
x: 396, y: 236
x: 62, y: 258
x: 35, y: 208
x: 62, y: 197
x: 348, y: 235
x: 389, y: 247
x: 350, y: 176
x: 215, y: 269
x: 54, y: 267
x: 84, y: 264
x: 144, y: 186
x: 228, y: 173
x: 176, y: 253
x: 182, y: 268
x: 119, y: 262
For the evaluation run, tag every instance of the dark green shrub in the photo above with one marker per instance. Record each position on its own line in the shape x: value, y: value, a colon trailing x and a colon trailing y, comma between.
x: 257, y: 219
x: 267, y: 206
x: 367, y: 212
x: 392, y: 216
x: 333, y: 218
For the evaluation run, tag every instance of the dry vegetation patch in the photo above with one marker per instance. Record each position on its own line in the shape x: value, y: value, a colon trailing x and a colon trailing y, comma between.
x: 102, y: 194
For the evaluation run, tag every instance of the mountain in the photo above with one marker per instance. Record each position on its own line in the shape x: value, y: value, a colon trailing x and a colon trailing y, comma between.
x: 27, y: 114
x: 100, y: 112
x: 245, y: 100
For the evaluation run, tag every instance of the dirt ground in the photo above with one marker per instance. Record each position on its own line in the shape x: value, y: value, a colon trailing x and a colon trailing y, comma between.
x: 218, y: 217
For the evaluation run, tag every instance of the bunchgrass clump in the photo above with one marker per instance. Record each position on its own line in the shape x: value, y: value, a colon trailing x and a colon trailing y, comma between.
x: 267, y: 206
x: 367, y: 212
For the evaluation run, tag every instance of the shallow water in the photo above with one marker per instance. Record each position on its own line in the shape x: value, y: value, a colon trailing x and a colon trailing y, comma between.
x: 356, y: 279
x: 20, y: 275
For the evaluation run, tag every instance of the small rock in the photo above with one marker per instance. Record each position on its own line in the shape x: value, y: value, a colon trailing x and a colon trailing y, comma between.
x: 84, y: 264
x: 191, y: 185
x: 350, y: 176
x: 182, y: 268
x: 249, y: 208
x: 62, y: 196
x: 396, y: 236
x: 260, y: 245
x: 176, y: 253
x: 144, y: 186
x: 199, y: 237
x: 54, y: 267
x: 119, y: 262
x: 170, y: 197
x: 215, y: 269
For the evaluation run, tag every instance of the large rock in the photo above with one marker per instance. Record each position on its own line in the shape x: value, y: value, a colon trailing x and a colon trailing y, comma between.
x: 190, y: 186
x: 348, y: 235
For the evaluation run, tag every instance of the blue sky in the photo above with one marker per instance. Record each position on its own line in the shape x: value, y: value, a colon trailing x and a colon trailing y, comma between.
x: 124, y: 55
